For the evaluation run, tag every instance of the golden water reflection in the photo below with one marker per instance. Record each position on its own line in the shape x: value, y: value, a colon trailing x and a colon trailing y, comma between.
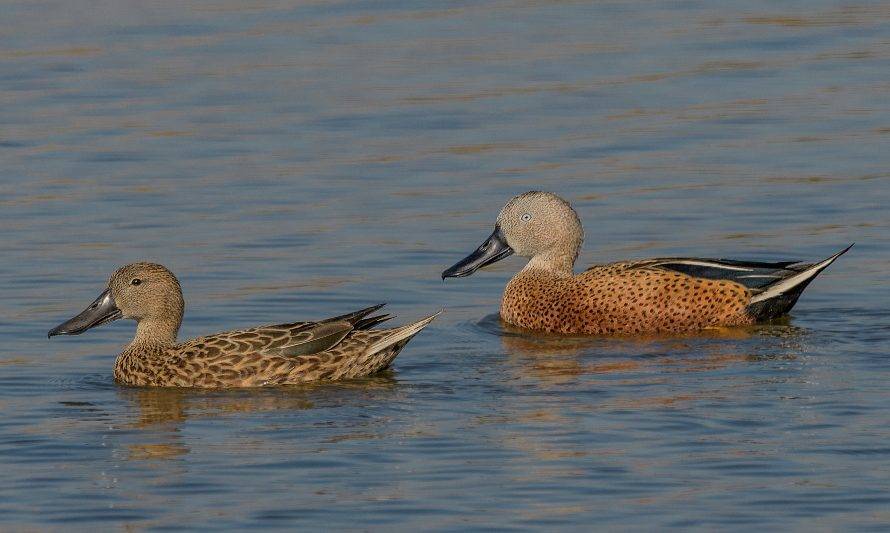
x: 557, y: 361
x: 161, y: 413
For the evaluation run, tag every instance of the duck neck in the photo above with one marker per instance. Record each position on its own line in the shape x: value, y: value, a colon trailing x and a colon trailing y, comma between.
x: 560, y: 263
x: 155, y: 333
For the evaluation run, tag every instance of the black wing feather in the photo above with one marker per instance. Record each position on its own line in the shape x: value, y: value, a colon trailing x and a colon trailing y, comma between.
x: 752, y: 274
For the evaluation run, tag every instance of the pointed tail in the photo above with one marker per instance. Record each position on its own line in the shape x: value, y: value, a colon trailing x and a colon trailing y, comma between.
x: 355, y: 317
x: 778, y: 298
x: 401, y: 334
x: 370, y: 322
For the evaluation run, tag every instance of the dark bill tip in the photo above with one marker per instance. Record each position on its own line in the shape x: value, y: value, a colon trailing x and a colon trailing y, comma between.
x: 101, y: 311
x: 491, y: 251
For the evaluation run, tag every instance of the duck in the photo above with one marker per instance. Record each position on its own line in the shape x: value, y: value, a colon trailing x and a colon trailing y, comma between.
x: 340, y: 347
x: 659, y: 295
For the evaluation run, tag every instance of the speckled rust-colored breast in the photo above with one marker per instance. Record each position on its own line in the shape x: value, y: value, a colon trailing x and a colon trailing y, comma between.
x: 622, y: 298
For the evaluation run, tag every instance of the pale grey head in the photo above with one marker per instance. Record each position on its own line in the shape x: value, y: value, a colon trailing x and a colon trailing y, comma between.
x: 538, y: 225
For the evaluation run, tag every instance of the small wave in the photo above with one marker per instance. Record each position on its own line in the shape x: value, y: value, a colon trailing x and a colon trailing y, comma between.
x: 85, y: 382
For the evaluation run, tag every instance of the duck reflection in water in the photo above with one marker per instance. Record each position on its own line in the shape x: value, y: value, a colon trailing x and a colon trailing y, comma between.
x: 161, y: 413
x: 570, y: 381
x: 558, y: 360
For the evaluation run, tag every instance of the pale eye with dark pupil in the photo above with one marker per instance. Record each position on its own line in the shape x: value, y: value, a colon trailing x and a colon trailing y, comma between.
x: 526, y: 217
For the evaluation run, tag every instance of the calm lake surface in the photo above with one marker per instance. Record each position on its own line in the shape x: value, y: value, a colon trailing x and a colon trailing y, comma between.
x: 296, y: 162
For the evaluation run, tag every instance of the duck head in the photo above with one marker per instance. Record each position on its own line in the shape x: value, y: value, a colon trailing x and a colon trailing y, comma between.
x: 145, y: 292
x: 538, y: 225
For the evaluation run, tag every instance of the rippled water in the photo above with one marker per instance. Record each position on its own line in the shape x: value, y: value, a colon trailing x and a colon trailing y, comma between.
x: 300, y: 162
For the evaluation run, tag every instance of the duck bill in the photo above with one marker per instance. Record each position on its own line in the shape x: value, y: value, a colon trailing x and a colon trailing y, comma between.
x: 102, y: 311
x: 491, y: 251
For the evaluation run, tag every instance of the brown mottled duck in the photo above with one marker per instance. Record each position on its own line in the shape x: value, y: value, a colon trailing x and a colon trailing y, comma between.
x: 335, y: 348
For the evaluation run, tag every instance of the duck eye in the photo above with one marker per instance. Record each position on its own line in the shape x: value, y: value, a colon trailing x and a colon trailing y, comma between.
x: 135, y: 281
x: 526, y: 217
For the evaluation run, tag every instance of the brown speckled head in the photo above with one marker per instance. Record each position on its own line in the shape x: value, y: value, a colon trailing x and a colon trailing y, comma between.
x: 151, y: 295
x: 543, y: 227
x: 146, y: 291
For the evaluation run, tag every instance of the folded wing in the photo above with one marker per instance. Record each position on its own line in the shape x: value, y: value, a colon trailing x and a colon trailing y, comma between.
x: 293, y: 339
x: 314, y: 337
x: 775, y: 287
x: 754, y: 275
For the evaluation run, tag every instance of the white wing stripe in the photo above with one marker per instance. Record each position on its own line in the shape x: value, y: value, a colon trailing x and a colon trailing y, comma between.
x: 793, y: 281
x: 705, y: 264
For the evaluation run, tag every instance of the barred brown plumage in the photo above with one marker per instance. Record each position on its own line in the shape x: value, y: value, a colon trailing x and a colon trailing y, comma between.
x: 340, y: 347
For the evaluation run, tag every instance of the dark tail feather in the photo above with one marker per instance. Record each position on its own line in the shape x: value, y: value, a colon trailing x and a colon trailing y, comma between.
x: 778, y: 298
x: 356, y: 316
x: 370, y: 322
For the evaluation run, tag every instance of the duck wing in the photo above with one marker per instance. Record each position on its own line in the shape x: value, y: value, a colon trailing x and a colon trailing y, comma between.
x: 293, y: 339
x: 314, y: 337
x: 775, y: 287
x: 751, y: 274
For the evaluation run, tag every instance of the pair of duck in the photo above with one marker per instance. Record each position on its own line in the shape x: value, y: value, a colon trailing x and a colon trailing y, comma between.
x: 655, y: 295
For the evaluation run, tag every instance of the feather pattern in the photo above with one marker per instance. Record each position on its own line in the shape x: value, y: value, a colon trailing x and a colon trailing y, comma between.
x: 343, y: 346
x: 679, y: 294
x: 753, y: 275
x: 335, y: 348
x: 774, y: 287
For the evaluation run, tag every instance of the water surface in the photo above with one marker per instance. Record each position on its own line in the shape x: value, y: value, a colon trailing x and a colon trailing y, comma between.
x: 296, y: 162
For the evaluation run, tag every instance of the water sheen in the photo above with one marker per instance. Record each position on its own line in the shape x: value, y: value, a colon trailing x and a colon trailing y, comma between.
x: 295, y: 162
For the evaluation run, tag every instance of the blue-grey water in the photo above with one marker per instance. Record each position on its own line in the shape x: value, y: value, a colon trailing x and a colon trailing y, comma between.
x: 299, y: 161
